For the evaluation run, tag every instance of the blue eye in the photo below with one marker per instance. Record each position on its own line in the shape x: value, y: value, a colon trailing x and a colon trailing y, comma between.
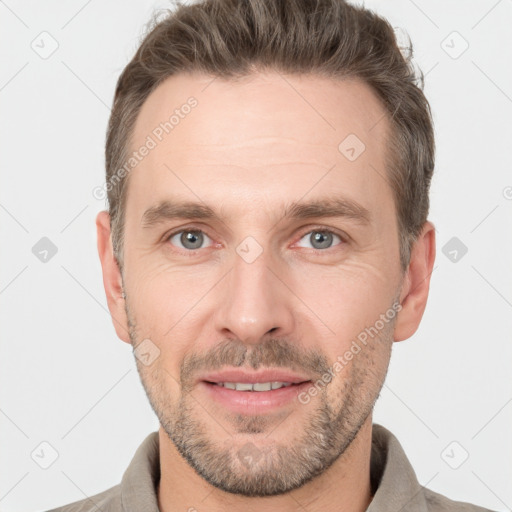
x: 191, y: 239
x: 321, y: 238
x: 194, y: 239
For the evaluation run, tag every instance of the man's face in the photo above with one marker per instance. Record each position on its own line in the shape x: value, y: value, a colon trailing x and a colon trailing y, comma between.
x: 253, y: 289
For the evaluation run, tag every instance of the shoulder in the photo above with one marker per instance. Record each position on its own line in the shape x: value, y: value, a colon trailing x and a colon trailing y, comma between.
x: 106, y: 501
x: 438, y: 503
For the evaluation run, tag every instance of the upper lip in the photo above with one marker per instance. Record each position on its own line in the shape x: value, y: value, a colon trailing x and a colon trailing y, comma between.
x: 267, y: 375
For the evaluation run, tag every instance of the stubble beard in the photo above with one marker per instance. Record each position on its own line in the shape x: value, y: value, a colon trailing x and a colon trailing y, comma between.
x: 247, y: 463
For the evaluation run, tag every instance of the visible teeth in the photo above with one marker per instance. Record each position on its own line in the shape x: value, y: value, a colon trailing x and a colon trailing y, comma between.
x: 262, y: 386
x: 256, y: 386
x: 243, y: 386
x: 277, y: 385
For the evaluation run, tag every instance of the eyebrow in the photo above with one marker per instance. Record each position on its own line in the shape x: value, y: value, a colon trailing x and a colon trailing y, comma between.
x: 326, y: 207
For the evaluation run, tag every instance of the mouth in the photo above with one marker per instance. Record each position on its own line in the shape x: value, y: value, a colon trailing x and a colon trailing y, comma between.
x: 255, y: 386
x: 254, y: 393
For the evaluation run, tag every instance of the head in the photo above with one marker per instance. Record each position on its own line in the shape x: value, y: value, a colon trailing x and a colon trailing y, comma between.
x: 268, y: 169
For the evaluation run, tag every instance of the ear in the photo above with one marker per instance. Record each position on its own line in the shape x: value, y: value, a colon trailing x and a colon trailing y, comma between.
x: 416, y: 283
x: 112, y: 280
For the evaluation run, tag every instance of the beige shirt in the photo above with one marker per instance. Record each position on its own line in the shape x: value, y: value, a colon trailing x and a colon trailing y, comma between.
x: 397, y: 489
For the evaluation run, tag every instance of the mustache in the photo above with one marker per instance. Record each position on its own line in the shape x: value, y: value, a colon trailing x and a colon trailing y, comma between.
x: 272, y: 352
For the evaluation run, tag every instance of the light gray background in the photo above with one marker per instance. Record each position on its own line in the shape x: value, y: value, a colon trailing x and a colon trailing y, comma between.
x: 66, y: 379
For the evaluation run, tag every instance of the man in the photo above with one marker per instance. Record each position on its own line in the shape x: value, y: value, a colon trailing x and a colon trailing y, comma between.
x: 268, y: 169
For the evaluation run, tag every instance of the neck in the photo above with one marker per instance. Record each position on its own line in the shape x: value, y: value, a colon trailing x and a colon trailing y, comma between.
x: 344, y: 486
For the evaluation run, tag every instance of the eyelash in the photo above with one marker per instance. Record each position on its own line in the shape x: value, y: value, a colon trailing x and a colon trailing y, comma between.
x: 320, y: 229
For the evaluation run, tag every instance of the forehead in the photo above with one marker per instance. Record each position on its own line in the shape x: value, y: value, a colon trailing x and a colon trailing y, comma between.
x: 258, y: 138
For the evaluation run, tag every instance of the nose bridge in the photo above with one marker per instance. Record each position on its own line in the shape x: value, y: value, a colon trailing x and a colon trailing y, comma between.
x: 253, y: 301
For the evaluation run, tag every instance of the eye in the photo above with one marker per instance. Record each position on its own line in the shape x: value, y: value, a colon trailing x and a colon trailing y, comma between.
x: 193, y: 239
x: 320, y: 238
x: 190, y: 239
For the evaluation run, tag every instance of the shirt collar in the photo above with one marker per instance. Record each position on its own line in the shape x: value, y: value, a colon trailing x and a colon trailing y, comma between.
x: 397, y: 488
x: 140, y: 480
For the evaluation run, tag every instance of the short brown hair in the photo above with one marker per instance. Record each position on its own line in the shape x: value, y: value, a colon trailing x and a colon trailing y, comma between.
x: 329, y: 38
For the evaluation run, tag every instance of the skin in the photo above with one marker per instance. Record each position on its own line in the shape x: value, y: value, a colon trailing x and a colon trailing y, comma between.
x: 249, y: 148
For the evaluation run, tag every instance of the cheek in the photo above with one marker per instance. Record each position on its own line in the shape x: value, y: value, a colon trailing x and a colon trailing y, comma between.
x: 343, y: 300
x: 166, y: 303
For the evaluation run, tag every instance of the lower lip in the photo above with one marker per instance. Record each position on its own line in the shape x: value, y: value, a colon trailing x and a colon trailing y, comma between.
x: 254, y: 402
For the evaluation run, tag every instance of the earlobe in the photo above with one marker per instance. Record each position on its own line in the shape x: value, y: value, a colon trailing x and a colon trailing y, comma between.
x: 416, y: 284
x: 112, y: 280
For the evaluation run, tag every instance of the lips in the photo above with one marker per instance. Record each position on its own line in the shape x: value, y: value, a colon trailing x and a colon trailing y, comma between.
x: 251, y: 393
x: 253, y: 403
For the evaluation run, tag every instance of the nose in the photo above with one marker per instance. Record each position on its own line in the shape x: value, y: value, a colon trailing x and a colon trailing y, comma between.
x: 254, y: 301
